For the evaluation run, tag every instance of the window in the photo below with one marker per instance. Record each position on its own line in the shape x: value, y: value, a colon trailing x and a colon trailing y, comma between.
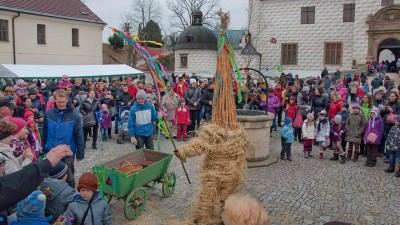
x: 333, y: 53
x: 3, y: 30
x: 387, y: 2
x: 184, y: 60
x: 308, y: 15
x: 289, y: 54
x: 75, y: 37
x: 349, y: 11
x: 41, y: 34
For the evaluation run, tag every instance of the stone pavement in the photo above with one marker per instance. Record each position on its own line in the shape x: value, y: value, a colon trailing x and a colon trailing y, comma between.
x: 304, y: 191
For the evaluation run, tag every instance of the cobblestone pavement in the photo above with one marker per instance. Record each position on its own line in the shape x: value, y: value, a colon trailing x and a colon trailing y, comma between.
x: 304, y: 191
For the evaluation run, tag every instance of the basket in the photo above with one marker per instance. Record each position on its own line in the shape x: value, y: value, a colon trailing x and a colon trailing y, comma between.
x: 129, y: 168
x: 146, y: 163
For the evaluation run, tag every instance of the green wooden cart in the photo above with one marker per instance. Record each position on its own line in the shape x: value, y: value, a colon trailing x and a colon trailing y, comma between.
x: 129, y: 187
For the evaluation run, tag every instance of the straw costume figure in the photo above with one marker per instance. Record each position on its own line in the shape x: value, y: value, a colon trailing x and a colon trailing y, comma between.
x: 222, y: 142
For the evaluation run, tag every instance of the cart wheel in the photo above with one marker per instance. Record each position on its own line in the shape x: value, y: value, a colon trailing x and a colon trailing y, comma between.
x: 121, y: 140
x: 134, y: 203
x: 168, y: 186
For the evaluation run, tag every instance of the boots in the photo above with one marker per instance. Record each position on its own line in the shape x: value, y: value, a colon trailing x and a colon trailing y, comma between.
x: 350, y: 154
x: 310, y: 154
x: 94, y: 146
x: 390, y: 169
x: 335, y: 156
x: 343, y: 159
x: 355, y: 157
x: 321, y: 155
x: 397, y: 174
x: 306, y: 155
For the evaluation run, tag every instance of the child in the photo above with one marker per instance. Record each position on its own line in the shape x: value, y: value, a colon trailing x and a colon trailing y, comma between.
x: 393, y: 146
x: 33, y: 138
x: 287, y: 138
x: 344, y: 113
x: 338, y: 128
x: 373, y: 136
x: 291, y: 111
x: 308, y: 130
x: 30, y: 210
x: 105, y: 123
x: 181, y: 119
x: 28, y: 115
x: 322, y: 133
x: 88, y: 207
x: 240, y: 209
x: 355, y: 124
x: 360, y: 94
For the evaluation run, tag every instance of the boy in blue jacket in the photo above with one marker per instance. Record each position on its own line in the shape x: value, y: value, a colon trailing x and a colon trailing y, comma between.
x: 287, y: 138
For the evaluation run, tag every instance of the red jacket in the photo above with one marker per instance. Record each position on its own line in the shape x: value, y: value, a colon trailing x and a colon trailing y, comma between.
x: 182, y: 115
x: 132, y: 90
x: 278, y: 93
x: 334, y: 108
x: 291, y: 111
x: 180, y: 90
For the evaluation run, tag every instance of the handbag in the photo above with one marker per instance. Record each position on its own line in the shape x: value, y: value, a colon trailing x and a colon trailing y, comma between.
x: 89, y: 120
x: 298, y: 120
x: 391, y: 118
x: 372, y: 137
x: 113, y: 111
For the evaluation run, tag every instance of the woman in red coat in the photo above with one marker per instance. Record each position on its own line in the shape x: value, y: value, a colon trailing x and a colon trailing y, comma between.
x: 336, y: 104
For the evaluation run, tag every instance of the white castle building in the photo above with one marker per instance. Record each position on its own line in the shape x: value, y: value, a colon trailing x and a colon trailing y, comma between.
x: 307, y: 35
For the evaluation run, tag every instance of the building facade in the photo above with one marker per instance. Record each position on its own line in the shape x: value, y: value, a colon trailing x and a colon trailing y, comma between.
x: 308, y: 35
x: 66, y: 32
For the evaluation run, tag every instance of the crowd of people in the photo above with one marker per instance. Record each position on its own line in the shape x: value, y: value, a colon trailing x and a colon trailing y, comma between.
x: 315, y: 112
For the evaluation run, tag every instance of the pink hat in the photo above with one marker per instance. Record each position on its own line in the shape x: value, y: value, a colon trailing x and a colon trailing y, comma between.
x: 27, y: 114
x: 65, y: 76
x: 20, y: 123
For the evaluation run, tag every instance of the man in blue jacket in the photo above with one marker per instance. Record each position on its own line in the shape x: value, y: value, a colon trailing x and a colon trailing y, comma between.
x: 63, y: 125
x: 140, y: 122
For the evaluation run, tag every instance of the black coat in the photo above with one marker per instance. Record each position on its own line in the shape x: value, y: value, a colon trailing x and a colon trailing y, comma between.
x: 75, y: 90
x: 87, y: 107
x: 320, y: 103
x: 206, y: 97
x: 125, y: 98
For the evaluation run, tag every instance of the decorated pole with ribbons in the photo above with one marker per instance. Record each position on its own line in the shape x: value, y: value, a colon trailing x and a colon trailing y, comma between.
x: 158, y: 75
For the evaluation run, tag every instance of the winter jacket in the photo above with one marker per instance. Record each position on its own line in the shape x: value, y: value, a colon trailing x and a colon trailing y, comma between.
x: 124, y: 97
x: 13, y: 163
x: 20, y: 90
x: 273, y: 104
x: 90, y: 107
x: 304, y: 100
x: 64, y: 84
x: 207, y: 96
x: 355, y: 127
x: 75, y: 89
x: 180, y: 89
x: 334, y: 108
x: 182, y: 116
x: 69, y: 121
x: 327, y: 83
x: 336, y: 128
x: 132, y: 90
x: 374, y: 126
x: 98, y: 213
x: 344, y: 115
x: 354, y: 87
x: 192, y: 95
x: 105, y: 120
x: 169, y: 105
x: 393, y: 139
x: 366, y: 109
x: 278, y: 93
x: 291, y: 110
x: 323, y: 134
x: 141, y: 118
x: 376, y: 83
x: 110, y: 102
x: 320, y: 103
x: 385, y: 112
x: 308, y: 130
x: 61, y: 195
x: 287, y: 133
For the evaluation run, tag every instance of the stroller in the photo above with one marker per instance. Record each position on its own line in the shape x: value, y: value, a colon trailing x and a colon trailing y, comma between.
x: 123, y: 124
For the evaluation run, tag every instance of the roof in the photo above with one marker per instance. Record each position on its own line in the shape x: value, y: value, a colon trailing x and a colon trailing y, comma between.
x: 64, y: 9
x: 57, y: 71
x: 196, y: 37
x: 250, y: 50
x: 234, y: 37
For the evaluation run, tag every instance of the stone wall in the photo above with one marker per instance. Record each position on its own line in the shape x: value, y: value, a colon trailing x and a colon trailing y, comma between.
x: 201, y: 62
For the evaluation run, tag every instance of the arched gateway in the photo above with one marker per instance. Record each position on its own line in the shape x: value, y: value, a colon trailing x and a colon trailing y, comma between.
x: 384, y: 32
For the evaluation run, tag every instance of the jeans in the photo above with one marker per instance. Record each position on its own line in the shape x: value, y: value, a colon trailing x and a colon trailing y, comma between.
x: 201, y: 113
x: 392, y: 157
x: 279, y: 113
x: 69, y: 161
x: 207, y: 116
x: 117, y: 119
x: 297, y: 134
x: 142, y: 141
x: 194, y: 119
x: 286, y: 149
x: 104, y: 134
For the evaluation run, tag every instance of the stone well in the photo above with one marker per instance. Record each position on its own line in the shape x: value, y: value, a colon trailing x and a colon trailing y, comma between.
x: 257, y: 128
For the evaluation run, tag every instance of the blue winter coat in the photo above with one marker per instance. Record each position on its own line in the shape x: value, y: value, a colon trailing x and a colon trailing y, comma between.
x: 63, y: 127
x: 141, y: 118
x: 288, y: 134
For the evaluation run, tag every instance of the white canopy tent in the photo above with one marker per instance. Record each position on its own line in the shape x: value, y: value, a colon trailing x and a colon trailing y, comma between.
x: 57, y: 71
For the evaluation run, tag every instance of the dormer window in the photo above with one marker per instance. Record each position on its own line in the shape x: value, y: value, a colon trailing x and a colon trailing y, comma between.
x: 189, y: 38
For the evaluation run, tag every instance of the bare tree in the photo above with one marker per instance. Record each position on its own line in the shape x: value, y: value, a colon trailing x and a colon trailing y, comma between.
x: 182, y: 12
x: 141, y: 12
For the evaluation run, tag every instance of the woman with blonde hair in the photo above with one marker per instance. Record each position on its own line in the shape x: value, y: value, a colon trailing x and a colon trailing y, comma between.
x: 336, y: 104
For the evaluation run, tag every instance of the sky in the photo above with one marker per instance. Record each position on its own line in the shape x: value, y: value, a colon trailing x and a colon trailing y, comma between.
x: 110, y: 11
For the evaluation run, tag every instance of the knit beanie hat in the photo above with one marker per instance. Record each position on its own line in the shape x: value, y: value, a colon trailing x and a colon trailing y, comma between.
x: 310, y: 115
x: 32, y: 206
x: 32, y: 91
x: 376, y: 111
x: 141, y: 94
x: 338, y: 119
x: 20, y: 123
x: 88, y: 180
x: 356, y: 106
x: 65, y: 76
x: 288, y: 120
x: 323, y: 112
x: 306, y: 88
x: 346, y: 105
x: 27, y: 114
x: 43, y: 85
x: 59, y: 171
x: 192, y: 80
